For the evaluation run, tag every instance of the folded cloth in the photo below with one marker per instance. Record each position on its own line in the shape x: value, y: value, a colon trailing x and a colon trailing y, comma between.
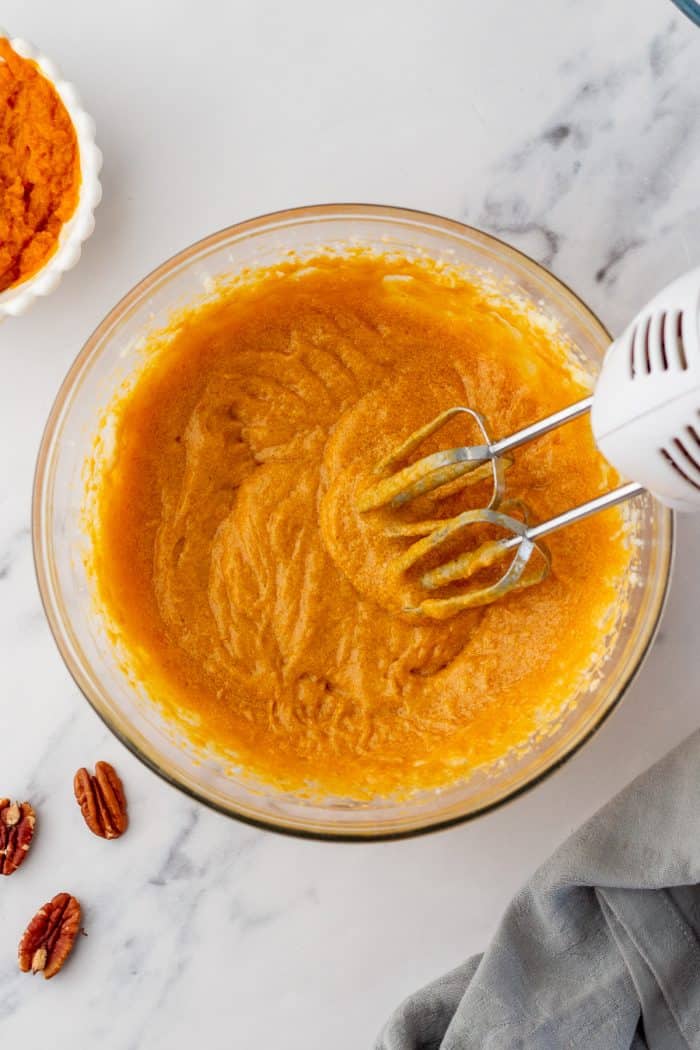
x: 600, y: 951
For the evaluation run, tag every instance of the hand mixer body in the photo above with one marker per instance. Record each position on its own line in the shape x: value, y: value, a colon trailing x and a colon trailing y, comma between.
x: 645, y: 413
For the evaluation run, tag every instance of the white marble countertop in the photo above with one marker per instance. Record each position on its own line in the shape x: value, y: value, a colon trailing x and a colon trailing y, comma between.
x: 570, y: 130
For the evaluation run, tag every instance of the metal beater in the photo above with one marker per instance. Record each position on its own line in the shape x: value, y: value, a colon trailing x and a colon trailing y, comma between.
x: 645, y: 416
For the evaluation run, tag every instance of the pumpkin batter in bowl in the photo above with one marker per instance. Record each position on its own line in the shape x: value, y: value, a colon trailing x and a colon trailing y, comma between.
x: 250, y: 595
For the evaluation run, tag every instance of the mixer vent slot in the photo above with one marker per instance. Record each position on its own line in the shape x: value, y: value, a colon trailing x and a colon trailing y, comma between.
x: 647, y: 341
x: 671, y: 338
x: 684, y: 457
x: 640, y: 350
x: 682, y: 356
x: 656, y: 344
x: 663, y: 342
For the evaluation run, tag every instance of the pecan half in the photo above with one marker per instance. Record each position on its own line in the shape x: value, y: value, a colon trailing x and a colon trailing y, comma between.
x: 48, y: 940
x: 102, y: 801
x: 16, y: 832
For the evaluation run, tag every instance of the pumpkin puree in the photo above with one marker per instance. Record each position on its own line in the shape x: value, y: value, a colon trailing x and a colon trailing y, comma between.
x: 39, y: 167
x: 253, y: 598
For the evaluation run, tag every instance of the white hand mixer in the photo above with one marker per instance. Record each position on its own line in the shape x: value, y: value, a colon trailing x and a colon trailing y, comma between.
x: 645, y: 416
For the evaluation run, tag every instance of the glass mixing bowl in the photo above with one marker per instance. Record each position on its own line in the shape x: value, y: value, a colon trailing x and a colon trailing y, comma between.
x: 112, y: 353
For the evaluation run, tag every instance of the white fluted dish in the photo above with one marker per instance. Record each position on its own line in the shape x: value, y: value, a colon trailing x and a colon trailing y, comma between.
x: 19, y: 297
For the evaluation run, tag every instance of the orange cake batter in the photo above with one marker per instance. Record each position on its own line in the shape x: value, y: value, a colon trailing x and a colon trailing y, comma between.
x: 252, y: 597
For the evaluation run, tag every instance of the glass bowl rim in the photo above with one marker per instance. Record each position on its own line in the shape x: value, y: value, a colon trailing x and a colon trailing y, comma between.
x: 42, y: 564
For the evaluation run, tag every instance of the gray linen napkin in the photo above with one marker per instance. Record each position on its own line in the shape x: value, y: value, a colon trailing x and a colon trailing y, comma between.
x: 601, y: 949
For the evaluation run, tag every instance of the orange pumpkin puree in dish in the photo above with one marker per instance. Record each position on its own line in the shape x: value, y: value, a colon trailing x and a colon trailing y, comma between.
x: 39, y: 167
x: 250, y: 594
